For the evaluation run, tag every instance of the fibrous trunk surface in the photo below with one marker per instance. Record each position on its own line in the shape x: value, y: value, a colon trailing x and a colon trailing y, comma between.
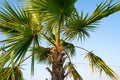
x: 57, y: 60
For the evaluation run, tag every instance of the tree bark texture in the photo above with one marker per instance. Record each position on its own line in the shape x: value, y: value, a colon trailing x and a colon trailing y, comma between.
x: 57, y: 60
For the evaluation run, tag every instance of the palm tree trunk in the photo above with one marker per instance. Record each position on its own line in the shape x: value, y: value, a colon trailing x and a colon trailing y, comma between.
x: 57, y: 60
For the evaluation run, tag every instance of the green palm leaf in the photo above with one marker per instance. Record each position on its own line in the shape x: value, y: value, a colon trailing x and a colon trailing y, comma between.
x: 16, y: 44
x: 49, y: 37
x: 11, y: 73
x: 22, y: 32
x: 12, y: 14
x: 69, y: 48
x: 41, y: 54
x: 97, y: 62
x: 73, y: 72
x: 13, y: 18
x: 104, y: 9
x: 77, y: 28
x: 54, y: 10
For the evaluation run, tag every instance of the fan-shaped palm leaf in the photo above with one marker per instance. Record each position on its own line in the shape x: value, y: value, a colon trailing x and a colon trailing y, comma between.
x: 54, y: 10
x: 22, y: 33
x: 12, y: 18
x: 97, y: 62
x: 76, y: 27
x: 12, y: 14
x: 79, y: 25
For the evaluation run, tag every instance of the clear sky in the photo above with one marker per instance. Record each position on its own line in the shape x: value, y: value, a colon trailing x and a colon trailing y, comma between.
x: 105, y: 42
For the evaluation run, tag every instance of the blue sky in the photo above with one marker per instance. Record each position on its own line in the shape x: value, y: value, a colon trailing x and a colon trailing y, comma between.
x: 104, y: 41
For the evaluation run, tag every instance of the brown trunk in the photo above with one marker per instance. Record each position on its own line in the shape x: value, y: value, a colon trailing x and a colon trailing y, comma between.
x: 56, y: 58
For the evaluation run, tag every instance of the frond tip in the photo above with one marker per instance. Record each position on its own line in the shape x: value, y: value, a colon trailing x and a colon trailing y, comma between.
x: 73, y: 72
x: 97, y: 62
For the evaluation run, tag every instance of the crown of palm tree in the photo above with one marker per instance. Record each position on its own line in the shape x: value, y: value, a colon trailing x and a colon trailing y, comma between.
x: 54, y: 21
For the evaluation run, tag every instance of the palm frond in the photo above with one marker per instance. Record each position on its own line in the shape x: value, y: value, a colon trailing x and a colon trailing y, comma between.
x: 15, y: 42
x: 17, y: 23
x: 22, y: 30
x: 13, y: 18
x: 41, y: 54
x: 11, y: 73
x: 97, y: 62
x: 73, y: 72
x: 5, y: 73
x: 12, y: 14
x: 17, y: 47
x: 52, y: 10
x: 76, y: 27
x: 69, y: 48
x: 50, y: 39
x: 79, y: 26
x: 104, y: 9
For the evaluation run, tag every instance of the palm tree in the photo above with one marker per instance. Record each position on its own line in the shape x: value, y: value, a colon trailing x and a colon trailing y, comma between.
x: 55, y: 22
